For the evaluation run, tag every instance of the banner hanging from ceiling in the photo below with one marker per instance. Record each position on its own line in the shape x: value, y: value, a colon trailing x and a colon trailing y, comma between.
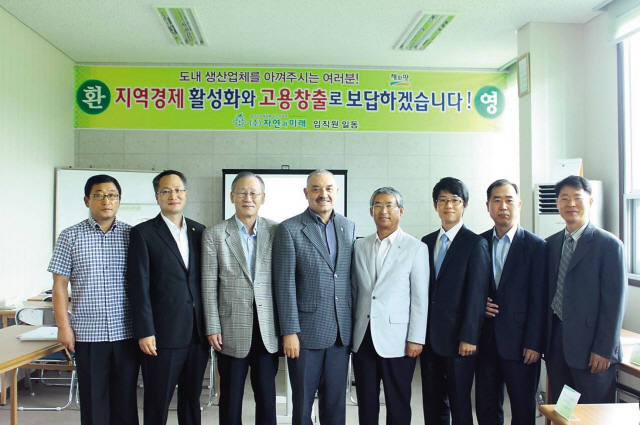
x: 202, y: 98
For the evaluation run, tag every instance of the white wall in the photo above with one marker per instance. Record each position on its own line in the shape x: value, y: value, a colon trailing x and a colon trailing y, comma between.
x: 600, y: 151
x: 552, y: 115
x: 36, y: 132
x: 572, y: 111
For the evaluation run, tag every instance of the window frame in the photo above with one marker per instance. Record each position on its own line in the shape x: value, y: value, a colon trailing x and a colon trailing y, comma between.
x: 627, y: 197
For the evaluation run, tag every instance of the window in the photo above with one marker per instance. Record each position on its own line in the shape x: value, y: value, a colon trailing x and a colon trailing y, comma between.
x: 630, y: 150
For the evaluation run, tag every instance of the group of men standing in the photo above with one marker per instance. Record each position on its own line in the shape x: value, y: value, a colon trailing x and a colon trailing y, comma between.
x: 487, y: 306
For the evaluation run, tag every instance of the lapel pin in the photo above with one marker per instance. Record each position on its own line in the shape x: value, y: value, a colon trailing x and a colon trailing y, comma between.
x: 193, y: 229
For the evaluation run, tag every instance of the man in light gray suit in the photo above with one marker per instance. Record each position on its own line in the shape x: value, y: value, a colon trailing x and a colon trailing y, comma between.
x: 390, y: 285
x: 311, y: 269
x: 238, y: 302
x: 587, y: 292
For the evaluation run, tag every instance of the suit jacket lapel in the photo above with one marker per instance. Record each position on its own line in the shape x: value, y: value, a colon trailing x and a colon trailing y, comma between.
x: 264, y: 239
x: 392, y: 256
x: 515, y: 252
x: 584, y: 245
x: 234, y: 242
x: 457, y: 241
x: 554, y: 246
x: 312, y: 232
x: 340, y: 236
x: 165, y: 234
x: 370, y: 252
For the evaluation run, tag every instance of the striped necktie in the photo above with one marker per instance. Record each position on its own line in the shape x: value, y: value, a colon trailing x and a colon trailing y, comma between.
x: 567, y: 253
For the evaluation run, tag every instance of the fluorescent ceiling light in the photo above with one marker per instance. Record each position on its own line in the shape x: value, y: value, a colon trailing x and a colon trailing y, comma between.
x: 424, y: 30
x: 182, y: 23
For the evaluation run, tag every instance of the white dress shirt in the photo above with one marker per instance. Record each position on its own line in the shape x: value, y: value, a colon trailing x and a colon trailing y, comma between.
x: 382, y: 248
x: 180, y: 236
x: 451, y: 233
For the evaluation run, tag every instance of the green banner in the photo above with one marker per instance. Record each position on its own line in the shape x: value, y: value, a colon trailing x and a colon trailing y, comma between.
x: 199, y: 98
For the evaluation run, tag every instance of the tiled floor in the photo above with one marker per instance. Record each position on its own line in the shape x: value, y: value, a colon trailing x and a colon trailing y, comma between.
x: 57, y: 396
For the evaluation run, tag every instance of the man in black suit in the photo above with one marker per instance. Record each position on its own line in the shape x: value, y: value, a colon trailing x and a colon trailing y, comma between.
x: 512, y: 335
x: 164, y: 288
x: 586, y: 299
x: 460, y: 274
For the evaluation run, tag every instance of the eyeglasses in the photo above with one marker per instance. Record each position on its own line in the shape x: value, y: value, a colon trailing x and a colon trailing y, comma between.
x: 100, y: 196
x: 455, y: 202
x: 242, y: 195
x: 380, y: 207
x: 168, y: 192
x: 566, y: 200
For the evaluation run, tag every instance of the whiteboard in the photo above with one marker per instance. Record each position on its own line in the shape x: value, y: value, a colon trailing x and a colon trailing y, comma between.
x: 138, y: 201
x: 284, y: 192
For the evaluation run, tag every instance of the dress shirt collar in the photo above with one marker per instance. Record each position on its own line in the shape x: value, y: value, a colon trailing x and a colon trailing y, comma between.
x: 95, y: 225
x: 391, y: 238
x: 451, y: 233
x: 576, y: 234
x: 510, y: 234
x: 243, y: 229
x: 319, y: 219
x: 172, y: 225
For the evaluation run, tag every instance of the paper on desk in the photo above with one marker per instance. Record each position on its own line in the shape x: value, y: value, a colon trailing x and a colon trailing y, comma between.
x: 45, y: 333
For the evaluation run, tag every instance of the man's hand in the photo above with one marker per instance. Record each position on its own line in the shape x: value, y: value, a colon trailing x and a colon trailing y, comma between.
x: 67, y: 338
x: 291, y: 346
x: 148, y: 345
x: 413, y: 349
x: 492, y: 309
x: 598, y: 363
x: 530, y: 356
x: 466, y: 349
x: 216, y: 341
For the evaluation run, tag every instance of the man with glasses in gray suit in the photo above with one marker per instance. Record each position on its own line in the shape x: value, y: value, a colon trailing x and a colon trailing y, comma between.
x: 311, y: 269
x: 238, y: 302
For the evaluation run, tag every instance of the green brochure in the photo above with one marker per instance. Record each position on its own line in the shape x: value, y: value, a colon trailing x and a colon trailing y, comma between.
x: 567, y: 402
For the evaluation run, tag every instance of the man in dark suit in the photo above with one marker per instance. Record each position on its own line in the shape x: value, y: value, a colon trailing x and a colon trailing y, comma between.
x: 460, y: 274
x: 586, y: 300
x: 311, y: 277
x: 164, y: 288
x: 512, y: 335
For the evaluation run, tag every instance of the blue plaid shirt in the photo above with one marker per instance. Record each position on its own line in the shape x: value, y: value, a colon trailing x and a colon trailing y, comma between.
x: 96, y: 263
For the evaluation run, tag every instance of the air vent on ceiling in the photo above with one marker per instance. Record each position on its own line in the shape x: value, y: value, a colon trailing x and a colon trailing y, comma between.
x: 424, y: 30
x: 182, y: 23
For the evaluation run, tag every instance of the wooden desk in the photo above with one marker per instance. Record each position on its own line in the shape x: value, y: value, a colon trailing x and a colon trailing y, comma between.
x: 625, y: 365
x: 39, y: 297
x: 15, y: 353
x: 6, y: 313
x: 596, y: 414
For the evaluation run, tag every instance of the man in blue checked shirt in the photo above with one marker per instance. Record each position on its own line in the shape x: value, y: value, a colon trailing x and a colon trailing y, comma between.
x: 91, y: 256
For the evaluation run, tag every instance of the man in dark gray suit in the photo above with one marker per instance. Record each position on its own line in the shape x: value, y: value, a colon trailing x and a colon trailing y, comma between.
x: 587, y: 292
x: 311, y: 277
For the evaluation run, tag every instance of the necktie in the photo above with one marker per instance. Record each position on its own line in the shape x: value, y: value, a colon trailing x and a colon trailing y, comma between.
x: 441, y: 253
x: 567, y: 253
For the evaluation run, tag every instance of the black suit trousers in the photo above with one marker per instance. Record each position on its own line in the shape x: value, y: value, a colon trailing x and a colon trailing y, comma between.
x: 492, y: 373
x: 107, y: 381
x: 233, y: 374
x: 446, y: 387
x: 182, y: 366
x: 396, y: 375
